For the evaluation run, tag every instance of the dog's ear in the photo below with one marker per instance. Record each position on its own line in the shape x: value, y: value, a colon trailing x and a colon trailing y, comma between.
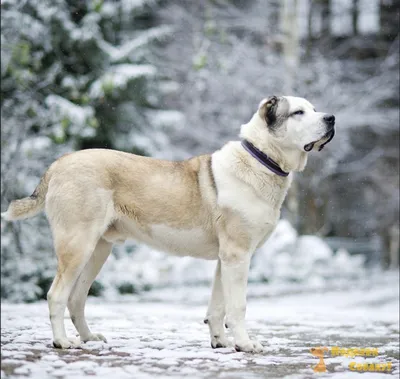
x: 267, y: 109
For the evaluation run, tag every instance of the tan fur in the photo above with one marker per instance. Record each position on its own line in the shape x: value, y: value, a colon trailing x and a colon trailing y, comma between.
x: 220, y: 206
x: 29, y: 206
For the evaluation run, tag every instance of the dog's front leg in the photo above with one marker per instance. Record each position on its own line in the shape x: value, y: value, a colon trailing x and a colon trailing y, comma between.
x: 216, y: 313
x: 234, y: 269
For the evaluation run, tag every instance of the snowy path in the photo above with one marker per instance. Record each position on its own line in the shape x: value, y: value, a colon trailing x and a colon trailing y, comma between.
x: 169, y: 340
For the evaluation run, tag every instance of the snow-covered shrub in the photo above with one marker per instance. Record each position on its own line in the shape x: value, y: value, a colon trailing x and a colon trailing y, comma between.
x: 303, y: 259
x: 145, y: 268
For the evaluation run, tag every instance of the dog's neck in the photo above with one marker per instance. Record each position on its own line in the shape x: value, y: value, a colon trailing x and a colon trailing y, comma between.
x: 288, y: 159
x: 263, y: 158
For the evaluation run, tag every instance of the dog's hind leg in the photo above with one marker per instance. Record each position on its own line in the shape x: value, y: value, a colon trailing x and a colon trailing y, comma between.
x: 216, y: 313
x: 73, y: 253
x: 77, y: 299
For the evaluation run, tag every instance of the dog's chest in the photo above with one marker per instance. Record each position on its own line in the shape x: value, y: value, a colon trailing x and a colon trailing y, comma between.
x: 259, y: 217
x: 255, y: 198
x: 257, y: 206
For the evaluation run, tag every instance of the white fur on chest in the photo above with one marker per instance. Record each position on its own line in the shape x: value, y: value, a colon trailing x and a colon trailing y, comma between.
x: 236, y: 195
x: 257, y: 198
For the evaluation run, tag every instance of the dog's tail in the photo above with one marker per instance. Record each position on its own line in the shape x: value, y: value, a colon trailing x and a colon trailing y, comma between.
x: 28, y: 206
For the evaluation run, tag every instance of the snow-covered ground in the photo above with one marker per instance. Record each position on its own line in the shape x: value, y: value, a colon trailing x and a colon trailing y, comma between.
x: 162, y: 335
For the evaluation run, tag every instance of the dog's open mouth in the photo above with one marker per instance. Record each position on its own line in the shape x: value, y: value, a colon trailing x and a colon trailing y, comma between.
x: 325, y: 140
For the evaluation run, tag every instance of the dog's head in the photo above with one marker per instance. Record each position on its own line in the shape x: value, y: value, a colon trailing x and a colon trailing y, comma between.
x: 294, y: 122
x: 287, y: 128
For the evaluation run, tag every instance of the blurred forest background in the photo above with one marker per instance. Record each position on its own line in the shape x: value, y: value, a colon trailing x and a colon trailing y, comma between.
x: 176, y: 78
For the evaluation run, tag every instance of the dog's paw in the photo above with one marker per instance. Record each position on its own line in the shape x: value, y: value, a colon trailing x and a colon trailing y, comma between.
x: 220, y: 341
x: 249, y: 346
x: 94, y: 337
x: 67, y: 343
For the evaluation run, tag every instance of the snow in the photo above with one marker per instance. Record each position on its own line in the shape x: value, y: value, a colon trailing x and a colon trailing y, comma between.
x: 31, y: 29
x: 287, y: 256
x: 132, y: 5
x: 149, y: 268
x: 124, y: 51
x: 167, y: 338
x: 65, y: 108
x: 118, y: 77
x: 166, y: 119
x: 37, y: 143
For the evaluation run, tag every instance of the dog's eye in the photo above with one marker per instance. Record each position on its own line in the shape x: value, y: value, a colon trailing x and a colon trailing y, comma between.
x: 298, y: 113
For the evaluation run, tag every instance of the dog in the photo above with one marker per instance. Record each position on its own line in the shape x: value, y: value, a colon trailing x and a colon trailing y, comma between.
x: 220, y: 207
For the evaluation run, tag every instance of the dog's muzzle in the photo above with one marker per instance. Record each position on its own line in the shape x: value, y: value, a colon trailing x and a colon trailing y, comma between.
x: 330, y: 123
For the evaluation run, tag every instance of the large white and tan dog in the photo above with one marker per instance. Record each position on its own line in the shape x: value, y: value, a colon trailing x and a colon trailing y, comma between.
x: 220, y: 206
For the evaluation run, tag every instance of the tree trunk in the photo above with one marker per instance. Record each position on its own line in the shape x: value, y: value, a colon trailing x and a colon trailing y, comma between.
x: 309, y: 27
x: 354, y: 17
x: 290, y: 33
x: 326, y: 18
x: 389, y: 18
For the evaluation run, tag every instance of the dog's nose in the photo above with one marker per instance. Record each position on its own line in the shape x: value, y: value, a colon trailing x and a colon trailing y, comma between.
x: 329, y: 119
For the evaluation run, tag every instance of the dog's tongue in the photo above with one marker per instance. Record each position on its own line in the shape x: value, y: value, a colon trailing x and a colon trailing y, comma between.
x: 309, y: 146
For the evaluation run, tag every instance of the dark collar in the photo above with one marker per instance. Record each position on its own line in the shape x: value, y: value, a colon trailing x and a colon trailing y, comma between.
x: 263, y: 158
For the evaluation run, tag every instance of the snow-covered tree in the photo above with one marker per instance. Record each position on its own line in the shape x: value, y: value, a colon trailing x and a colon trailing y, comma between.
x: 75, y: 74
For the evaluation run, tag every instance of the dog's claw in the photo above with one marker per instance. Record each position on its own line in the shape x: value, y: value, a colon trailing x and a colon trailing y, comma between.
x: 67, y: 344
x: 95, y: 337
x: 219, y: 345
x: 250, y: 346
x: 221, y: 342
